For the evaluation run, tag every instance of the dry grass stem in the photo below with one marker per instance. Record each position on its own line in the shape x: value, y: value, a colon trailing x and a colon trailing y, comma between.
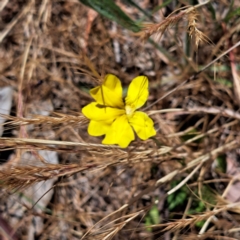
x: 20, y: 177
x: 59, y: 119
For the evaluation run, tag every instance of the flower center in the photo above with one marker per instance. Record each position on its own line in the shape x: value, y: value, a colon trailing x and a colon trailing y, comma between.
x: 129, y: 110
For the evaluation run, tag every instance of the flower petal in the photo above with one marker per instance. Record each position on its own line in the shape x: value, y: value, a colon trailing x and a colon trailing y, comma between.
x: 120, y: 133
x: 143, y: 125
x: 137, y: 92
x: 98, y: 128
x: 94, y: 111
x: 109, y: 93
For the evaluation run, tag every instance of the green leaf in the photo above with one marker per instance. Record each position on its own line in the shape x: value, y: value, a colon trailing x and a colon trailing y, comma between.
x: 200, y: 208
x: 200, y: 223
x: 110, y: 10
x: 221, y: 163
x: 148, y: 223
x: 208, y: 195
x: 212, y: 10
x: 154, y: 214
x: 152, y: 218
x: 198, y: 205
x: 232, y: 14
x: 225, y: 82
x: 178, y: 198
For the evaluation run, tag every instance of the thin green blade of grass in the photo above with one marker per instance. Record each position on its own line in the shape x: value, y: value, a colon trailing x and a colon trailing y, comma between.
x: 132, y: 3
x: 164, y: 4
x: 161, y: 49
x: 152, y: 218
x: 232, y: 14
x: 229, y: 11
x: 110, y: 10
x: 212, y: 11
x: 157, y: 8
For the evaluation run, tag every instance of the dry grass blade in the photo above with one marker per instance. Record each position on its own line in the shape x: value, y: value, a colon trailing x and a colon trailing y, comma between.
x: 110, y: 229
x: 21, y: 142
x: 19, y: 177
x: 39, y: 119
x: 178, y: 225
x: 114, y: 153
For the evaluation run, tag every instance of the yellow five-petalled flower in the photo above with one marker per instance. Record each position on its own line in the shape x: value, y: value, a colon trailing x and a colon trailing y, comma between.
x: 116, y: 119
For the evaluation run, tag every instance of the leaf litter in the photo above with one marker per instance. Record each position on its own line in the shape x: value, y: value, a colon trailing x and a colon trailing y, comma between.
x: 104, y: 192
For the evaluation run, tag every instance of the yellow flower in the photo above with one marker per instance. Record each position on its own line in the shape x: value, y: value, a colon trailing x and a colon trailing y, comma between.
x: 115, y: 119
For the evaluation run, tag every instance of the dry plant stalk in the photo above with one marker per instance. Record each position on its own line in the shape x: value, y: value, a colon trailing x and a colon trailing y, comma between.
x: 39, y: 119
x: 180, y: 224
x: 20, y: 177
x: 158, y: 29
x: 189, y: 14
